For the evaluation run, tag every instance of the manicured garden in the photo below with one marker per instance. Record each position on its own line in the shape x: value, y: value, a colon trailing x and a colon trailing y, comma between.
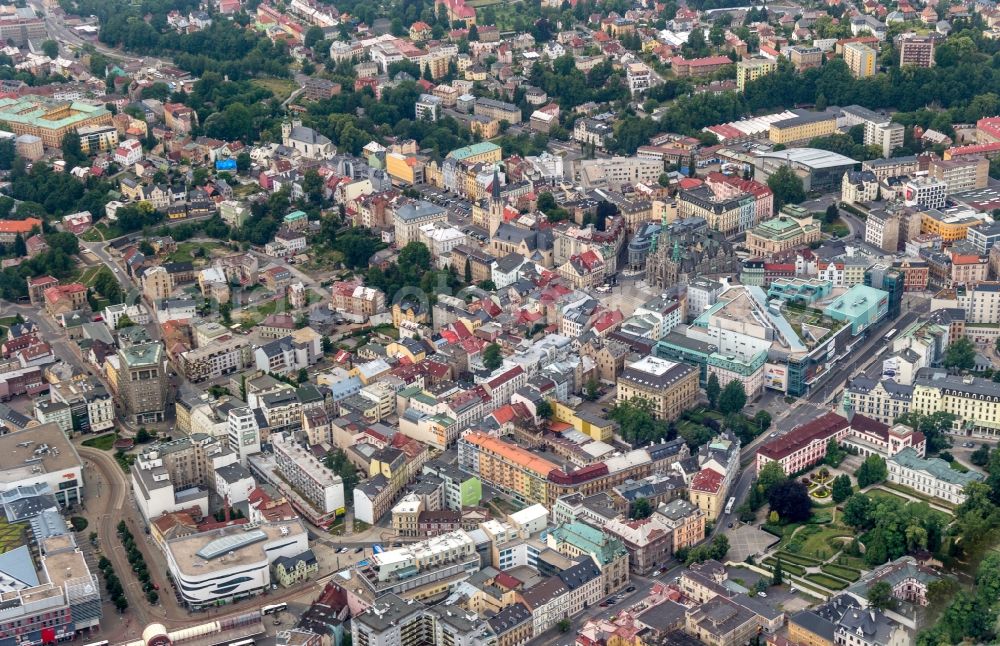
x: 828, y: 582
x: 841, y: 572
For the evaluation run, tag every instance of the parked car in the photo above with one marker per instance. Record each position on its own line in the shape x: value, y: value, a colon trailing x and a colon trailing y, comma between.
x: 762, y: 594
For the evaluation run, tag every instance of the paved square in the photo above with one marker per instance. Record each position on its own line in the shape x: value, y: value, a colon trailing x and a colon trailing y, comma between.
x: 746, y: 540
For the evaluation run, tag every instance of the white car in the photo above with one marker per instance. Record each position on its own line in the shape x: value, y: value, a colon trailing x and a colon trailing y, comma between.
x: 116, y: 270
x: 656, y: 573
x: 762, y: 594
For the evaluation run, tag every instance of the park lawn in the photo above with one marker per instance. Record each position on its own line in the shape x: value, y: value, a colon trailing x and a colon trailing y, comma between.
x: 823, y: 543
x: 102, y: 442
x: 842, y: 572
x: 185, y: 251
x: 882, y: 493
x: 829, y: 582
x: 88, y: 275
x: 281, y: 88
x: 916, y: 494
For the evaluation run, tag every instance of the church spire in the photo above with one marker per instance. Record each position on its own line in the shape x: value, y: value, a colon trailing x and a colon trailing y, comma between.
x: 496, y: 186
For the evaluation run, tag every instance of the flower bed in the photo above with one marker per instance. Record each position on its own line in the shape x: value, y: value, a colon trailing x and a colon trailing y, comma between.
x: 791, y: 568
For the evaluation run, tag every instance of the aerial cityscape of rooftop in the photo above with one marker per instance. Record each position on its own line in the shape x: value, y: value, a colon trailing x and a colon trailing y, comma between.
x: 500, y: 322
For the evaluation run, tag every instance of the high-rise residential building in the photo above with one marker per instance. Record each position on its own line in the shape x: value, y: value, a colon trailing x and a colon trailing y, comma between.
x: 752, y: 70
x: 860, y: 59
x: 141, y: 377
x: 244, y: 433
x: 916, y: 50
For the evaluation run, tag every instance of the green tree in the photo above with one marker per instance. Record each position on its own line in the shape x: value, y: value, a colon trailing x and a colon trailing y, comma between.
x: 859, y: 511
x: 123, y: 322
x: 713, y: 390
x: 791, y: 500
x: 841, y: 488
x: 637, y: 423
x: 771, y: 474
x: 733, y: 397
x: 50, y: 48
x: 314, y: 35
x: 834, y: 454
x: 72, y: 149
x: 777, y: 574
x: 960, y: 354
x: 762, y: 420
x: 564, y: 625
x: 880, y: 595
x: 871, y: 471
x: 303, y: 376
x: 641, y: 509
x: 544, y: 409
x: 787, y: 187
x: 981, y: 456
x: 492, y: 358
x: 591, y: 390
x: 20, y: 247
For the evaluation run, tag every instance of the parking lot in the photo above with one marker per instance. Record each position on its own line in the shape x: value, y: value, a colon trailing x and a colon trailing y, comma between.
x: 747, y: 540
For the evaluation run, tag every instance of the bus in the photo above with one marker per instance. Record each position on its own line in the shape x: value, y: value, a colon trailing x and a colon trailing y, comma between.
x: 243, y: 642
x: 891, y: 334
x: 277, y: 607
x: 729, y: 505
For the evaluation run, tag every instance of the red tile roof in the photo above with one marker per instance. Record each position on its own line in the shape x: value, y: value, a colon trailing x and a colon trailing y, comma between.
x: 820, y: 428
x: 707, y: 480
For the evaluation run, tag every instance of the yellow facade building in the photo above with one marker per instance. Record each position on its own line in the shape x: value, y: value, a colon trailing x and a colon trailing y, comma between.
x: 803, y: 126
x: 950, y: 227
x: 598, y: 428
x: 860, y: 59
x: 752, y: 70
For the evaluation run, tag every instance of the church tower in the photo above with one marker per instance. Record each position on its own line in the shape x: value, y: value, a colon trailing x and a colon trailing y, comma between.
x: 496, y: 205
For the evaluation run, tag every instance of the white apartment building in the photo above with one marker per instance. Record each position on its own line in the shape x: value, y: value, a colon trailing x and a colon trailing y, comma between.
x: 220, y: 357
x: 640, y: 78
x: 322, y: 488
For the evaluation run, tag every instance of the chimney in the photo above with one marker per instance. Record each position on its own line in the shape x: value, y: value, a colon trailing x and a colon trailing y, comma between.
x: 226, y: 503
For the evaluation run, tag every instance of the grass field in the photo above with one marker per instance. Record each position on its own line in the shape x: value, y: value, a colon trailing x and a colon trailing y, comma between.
x: 842, y: 572
x: 185, y: 251
x: 281, y: 88
x: 88, y: 275
x: 102, y: 442
x: 828, y: 582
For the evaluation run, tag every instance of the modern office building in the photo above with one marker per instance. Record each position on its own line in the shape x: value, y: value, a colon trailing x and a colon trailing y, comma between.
x: 225, y: 565
x: 819, y: 169
x: 56, y: 602
x: 42, y: 455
